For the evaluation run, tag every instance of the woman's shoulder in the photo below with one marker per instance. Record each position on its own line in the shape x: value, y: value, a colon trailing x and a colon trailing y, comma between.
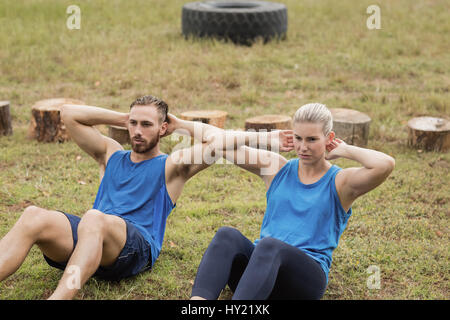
x: 282, y: 174
x: 291, y: 165
x: 340, y: 179
x: 338, y: 175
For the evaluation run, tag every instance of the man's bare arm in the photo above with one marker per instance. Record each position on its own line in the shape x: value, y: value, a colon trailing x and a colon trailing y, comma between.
x: 80, y: 121
x: 277, y: 140
x: 217, y: 143
x: 263, y: 163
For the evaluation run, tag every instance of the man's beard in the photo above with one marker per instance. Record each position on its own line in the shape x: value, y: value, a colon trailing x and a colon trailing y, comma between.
x: 145, y: 147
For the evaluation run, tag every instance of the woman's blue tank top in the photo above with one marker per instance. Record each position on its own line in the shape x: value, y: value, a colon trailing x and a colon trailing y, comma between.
x: 307, y: 216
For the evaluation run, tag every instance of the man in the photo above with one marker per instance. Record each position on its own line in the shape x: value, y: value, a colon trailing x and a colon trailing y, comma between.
x: 122, y: 234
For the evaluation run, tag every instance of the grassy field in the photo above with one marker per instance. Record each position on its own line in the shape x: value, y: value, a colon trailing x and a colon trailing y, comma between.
x: 126, y: 49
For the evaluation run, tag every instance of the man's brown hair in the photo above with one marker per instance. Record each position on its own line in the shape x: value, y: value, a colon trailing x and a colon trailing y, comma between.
x: 150, y: 100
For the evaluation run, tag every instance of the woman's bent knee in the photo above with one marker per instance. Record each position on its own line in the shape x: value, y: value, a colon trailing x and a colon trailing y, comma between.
x: 269, y: 244
x: 227, y: 234
x: 230, y: 240
x: 268, y: 249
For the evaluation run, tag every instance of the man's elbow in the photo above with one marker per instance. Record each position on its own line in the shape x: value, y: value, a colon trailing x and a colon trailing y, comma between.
x: 389, y: 166
x: 65, y: 112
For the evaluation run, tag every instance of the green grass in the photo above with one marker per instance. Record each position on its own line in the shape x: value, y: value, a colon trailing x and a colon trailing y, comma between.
x: 134, y: 48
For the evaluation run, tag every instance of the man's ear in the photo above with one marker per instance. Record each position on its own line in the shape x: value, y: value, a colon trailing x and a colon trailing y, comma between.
x: 163, y: 129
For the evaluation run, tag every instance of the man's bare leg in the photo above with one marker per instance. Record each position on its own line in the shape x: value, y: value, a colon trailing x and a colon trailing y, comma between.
x: 101, y: 238
x: 50, y: 230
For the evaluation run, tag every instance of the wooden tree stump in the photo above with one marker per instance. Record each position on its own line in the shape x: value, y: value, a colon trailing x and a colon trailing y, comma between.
x: 46, y: 124
x: 5, y: 119
x: 268, y: 123
x: 351, y: 126
x: 429, y: 134
x: 213, y: 117
x: 120, y: 134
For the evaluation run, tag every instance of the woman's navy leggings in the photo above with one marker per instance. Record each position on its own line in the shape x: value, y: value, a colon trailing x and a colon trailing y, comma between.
x: 270, y: 270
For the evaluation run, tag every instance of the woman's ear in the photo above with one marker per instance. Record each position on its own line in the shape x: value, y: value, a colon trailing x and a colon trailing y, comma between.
x: 330, y: 137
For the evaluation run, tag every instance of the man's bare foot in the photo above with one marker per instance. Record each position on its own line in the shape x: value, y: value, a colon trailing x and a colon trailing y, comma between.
x: 197, y: 298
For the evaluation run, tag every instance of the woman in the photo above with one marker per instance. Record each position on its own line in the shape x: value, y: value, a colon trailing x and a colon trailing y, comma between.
x: 308, y: 206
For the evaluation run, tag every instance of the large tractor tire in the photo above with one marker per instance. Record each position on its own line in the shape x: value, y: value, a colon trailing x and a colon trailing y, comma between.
x: 238, y: 21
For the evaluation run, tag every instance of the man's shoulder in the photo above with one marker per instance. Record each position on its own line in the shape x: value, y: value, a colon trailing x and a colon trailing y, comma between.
x: 118, y: 154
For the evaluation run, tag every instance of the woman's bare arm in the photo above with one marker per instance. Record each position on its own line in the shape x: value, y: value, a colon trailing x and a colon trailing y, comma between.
x: 354, y: 182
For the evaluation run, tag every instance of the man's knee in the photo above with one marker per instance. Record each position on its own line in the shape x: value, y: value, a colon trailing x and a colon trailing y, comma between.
x: 32, y: 211
x: 93, y: 221
x: 34, y: 219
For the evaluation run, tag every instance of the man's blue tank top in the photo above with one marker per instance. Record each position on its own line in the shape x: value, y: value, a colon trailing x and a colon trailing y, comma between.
x: 307, y: 216
x: 137, y: 193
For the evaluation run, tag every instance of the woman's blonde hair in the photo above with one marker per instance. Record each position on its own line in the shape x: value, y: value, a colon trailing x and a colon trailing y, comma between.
x: 315, y: 113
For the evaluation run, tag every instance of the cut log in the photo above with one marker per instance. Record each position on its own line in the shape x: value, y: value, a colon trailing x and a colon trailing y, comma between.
x: 120, y: 134
x: 46, y: 124
x: 429, y: 134
x: 5, y: 119
x: 351, y: 126
x: 268, y: 123
x: 213, y: 117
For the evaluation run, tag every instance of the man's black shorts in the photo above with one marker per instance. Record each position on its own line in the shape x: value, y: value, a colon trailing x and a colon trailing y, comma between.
x: 134, y: 258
